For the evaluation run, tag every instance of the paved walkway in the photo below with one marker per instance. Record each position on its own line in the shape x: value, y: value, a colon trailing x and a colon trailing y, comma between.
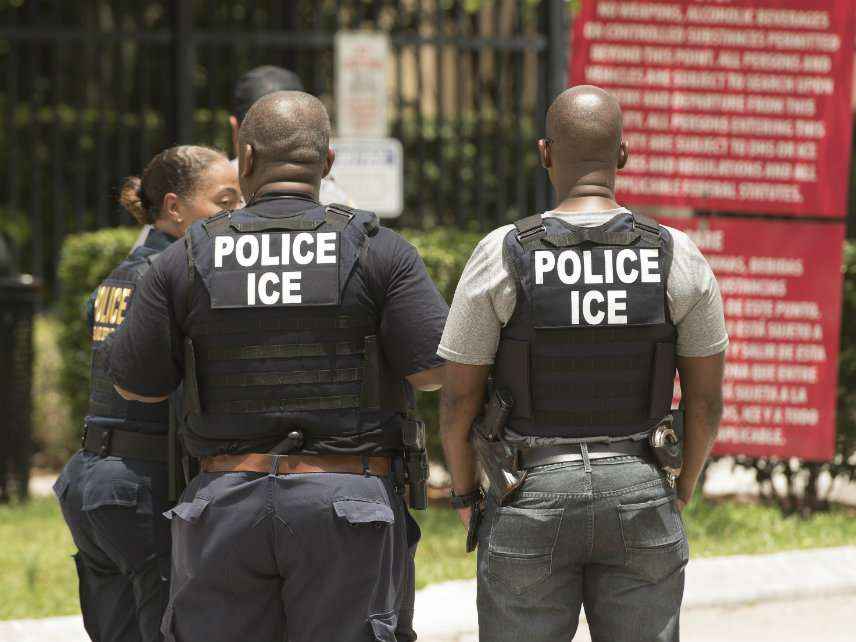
x: 446, y: 612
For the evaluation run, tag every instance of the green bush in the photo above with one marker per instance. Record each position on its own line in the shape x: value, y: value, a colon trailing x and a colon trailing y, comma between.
x: 88, y: 258
x: 445, y: 252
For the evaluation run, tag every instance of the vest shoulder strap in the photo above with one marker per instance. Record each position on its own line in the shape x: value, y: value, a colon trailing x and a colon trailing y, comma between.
x: 649, y: 228
x: 530, y: 230
x: 217, y: 223
x: 338, y: 216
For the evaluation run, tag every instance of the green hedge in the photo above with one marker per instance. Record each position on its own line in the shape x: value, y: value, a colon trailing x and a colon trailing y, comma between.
x: 88, y: 258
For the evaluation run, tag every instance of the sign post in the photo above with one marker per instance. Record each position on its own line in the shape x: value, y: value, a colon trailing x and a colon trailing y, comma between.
x: 369, y: 166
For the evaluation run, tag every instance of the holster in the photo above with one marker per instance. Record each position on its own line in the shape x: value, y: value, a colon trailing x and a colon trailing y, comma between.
x: 667, y: 443
x: 415, y: 462
x: 498, y: 458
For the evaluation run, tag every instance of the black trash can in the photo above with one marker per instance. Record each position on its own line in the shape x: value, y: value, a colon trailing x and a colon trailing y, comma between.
x: 18, y: 297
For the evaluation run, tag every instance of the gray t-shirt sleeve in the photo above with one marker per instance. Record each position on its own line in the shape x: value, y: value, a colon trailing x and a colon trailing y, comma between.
x: 695, y: 302
x: 484, y: 301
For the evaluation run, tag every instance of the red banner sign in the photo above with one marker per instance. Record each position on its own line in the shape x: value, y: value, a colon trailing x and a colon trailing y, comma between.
x: 781, y: 286
x: 735, y: 105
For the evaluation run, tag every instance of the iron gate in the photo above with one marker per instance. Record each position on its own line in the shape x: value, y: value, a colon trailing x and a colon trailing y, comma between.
x: 92, y: 89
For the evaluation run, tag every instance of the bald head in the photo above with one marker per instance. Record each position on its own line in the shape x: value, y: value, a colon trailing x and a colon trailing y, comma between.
x: 584, y: 125
x: 289, y: 134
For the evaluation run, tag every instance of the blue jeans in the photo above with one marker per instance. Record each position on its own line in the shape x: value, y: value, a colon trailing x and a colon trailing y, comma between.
x: 605, y: 536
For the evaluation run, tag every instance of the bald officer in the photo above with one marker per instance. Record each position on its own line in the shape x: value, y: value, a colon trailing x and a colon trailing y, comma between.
x: 580, y: 315
x: 299, y: 332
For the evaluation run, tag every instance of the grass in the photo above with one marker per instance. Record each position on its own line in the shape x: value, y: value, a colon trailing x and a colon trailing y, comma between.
x: 37, y: 576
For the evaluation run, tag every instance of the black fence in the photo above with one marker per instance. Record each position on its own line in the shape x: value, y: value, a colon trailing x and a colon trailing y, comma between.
x: 93, y: 88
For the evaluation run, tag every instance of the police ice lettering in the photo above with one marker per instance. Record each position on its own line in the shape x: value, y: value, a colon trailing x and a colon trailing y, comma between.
x: 111, y: 304
x: 307, y: 262
x: 596, y: 286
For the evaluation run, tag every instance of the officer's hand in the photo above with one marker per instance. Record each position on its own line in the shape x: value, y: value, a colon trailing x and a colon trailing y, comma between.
x: 465, y: 514
x: 680, y: 504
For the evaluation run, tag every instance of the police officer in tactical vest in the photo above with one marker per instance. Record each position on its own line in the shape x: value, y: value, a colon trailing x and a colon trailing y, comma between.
x: 114, y: 490
x: 299, y: 332
x: 574, y: 321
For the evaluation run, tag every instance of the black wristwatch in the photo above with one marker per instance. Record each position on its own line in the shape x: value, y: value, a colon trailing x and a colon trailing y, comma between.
x: 465, y: 501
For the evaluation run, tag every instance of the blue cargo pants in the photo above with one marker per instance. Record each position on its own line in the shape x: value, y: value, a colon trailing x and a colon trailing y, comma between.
x: 321, y: 557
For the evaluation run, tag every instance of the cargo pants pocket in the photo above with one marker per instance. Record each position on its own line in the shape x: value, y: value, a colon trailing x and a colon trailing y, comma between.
x: 655, y: 544
x: 189, y: 512
x: 520, y: 550
x: 363, y: 511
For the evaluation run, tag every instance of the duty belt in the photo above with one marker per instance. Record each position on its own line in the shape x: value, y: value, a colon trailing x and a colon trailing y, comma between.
x: 106, y: 442
x: 288, y: 464
x: 543, y: 455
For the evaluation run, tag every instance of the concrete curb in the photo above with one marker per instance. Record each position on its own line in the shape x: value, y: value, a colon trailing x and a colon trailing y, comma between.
x: 446, y: 612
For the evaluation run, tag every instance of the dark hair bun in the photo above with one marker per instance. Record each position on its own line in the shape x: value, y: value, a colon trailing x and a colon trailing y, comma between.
x: 131, y: 198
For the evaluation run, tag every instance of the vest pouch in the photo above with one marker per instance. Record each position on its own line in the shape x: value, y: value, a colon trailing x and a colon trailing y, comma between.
x: 662, y: 380
x: 512, y: 371
x: 370, y: 390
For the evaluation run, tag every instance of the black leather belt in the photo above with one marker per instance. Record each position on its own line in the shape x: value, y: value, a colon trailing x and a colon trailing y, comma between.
x: 124, y: 443
x: 543, y: 455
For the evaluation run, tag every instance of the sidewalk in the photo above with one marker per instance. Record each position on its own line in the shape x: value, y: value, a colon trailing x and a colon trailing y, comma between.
x: 447, y: 612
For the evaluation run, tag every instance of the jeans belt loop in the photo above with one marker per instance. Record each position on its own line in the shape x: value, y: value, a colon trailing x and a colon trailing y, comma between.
x: 585, y: 454
x: 274, y: 464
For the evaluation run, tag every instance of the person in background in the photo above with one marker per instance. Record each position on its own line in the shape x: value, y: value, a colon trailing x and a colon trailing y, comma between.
x: 581, y: 315
x: 260, y: 82
x: 113, y: 491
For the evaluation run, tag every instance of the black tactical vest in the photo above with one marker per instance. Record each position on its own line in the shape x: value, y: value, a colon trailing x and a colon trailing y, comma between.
x: 290, y: 339
x: 112, y: 300
x: 590, y: 348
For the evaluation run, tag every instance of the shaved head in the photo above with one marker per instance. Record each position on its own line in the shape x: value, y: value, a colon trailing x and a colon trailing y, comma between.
x: 584, y: 124
x: 289, y: 133
x: 583, y: 149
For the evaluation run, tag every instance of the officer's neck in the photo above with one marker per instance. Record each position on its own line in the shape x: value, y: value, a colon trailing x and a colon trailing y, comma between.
x: 292, y: 187
x: 590, y: 191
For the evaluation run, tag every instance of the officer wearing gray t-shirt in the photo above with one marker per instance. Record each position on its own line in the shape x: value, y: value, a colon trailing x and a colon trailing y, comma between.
x: 574, y: 322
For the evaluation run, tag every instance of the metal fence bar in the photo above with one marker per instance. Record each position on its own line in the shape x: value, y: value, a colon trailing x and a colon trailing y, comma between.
x: 75, y: 132
x: 184, y: 52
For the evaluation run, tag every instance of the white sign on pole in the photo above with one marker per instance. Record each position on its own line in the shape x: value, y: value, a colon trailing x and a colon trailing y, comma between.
x: 362, y: 59
x: 371, y: 171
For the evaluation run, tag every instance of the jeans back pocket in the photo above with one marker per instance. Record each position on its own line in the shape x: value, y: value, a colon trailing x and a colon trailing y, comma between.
x: 654, y: 541
x: 522, y: 540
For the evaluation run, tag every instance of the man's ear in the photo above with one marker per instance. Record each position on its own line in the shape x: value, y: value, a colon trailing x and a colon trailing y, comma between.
x: 172, y: 207
x: 246, y: 160
x: 235, y: 125
x: 623, y: 154
x: 328, y: 162
x: 544, y: 154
